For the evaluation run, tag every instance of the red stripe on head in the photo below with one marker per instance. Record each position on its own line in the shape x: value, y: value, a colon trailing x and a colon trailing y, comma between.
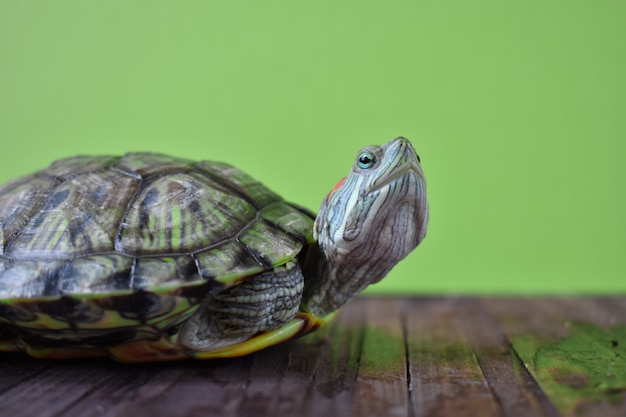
x: 335, y: 188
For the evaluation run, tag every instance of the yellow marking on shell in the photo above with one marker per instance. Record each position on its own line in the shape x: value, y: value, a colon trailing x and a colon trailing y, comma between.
x: 197, y: 230
x: 110, y: 319
x: 113, y: 319
x: 97, y: 296
x: 164, y: 349
x: 236, y: 277
x: 181, y: 311
x: 57, y: 236
x: 64, y: 353
x: 43, y: 321
x: 176, y: 226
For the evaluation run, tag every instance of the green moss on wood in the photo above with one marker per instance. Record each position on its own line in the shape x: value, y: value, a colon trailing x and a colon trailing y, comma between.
x: 587, y: 366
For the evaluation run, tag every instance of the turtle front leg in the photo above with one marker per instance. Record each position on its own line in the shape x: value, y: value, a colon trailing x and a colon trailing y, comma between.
x: 261, y: 303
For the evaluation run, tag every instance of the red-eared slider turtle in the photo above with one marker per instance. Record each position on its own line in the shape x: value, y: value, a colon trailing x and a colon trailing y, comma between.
x: 148, y: 257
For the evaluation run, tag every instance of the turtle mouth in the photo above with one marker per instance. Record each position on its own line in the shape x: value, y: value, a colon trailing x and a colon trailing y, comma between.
x: 412, y: 167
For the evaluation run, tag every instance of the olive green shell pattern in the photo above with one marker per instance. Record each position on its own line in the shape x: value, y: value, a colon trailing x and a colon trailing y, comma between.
x: 106, y: 251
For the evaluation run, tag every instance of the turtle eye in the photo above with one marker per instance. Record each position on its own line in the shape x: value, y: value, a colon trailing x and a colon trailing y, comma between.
x: 366, y: 160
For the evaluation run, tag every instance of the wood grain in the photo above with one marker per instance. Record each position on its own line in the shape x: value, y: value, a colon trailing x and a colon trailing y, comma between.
x: 439, y: 356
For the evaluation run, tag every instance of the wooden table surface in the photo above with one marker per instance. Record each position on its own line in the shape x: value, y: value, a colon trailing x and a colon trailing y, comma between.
x: 439, y: 356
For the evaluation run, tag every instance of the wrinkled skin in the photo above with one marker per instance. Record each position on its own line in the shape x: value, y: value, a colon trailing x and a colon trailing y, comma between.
x: 372, y: 220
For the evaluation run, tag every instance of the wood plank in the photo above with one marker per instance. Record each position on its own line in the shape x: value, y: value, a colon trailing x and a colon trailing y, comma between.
x: 515, y: 390
x: 446, y: 377
x: 382, y: 386
x: 15, y: 369
x: 413, y: 357
x: 309, y: 376
x: 574, y: 347
x: 332, y: 387
x: 59, y: 389
x: 177, y: 388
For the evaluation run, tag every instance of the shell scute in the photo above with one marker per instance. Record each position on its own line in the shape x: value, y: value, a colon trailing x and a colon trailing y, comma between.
x: 143, y: 164
x: 181, y: 213
x: 78, y: 165
x: 239, y: 182
x: 96, y: 275
x: 77, y: 217
x: 166, y: 272
x: 270, y: 245
x: 227, y: 262
x: 291, y: 221
x: 29, y: 279
x: 20, y: 200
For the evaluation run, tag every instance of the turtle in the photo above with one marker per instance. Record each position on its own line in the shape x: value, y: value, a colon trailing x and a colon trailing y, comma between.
x: 147, y: 257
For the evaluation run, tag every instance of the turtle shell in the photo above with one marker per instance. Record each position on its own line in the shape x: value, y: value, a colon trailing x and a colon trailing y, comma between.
x: 104, y: 250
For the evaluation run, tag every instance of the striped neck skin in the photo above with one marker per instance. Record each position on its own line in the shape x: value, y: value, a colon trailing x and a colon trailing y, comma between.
x: 369, y: 222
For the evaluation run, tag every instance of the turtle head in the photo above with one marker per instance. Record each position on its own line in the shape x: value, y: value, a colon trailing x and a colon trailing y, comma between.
x: 370, y: 221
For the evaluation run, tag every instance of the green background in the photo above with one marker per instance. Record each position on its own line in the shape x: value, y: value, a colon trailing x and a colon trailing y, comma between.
x: 517, y: 108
